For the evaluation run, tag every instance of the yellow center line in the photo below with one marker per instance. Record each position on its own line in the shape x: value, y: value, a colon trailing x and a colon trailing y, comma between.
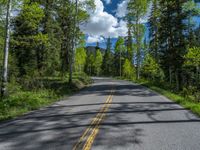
x: 89, y: 128
x: 95, y: 131
x: 95, y: 122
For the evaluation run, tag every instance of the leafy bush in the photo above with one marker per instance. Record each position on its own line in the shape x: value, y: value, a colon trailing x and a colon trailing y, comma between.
x: 151, y: 69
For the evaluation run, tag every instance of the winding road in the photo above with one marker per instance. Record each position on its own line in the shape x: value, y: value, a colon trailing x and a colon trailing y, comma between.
x: 108, y: 115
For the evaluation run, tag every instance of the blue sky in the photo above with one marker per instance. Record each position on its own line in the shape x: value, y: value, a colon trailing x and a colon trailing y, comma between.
x: 112, y: 6
x: 106, y: 21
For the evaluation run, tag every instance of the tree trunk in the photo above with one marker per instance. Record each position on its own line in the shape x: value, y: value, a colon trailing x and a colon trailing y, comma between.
x: 138, y: 48
x: 73, y: 44
x: 170, y: 75
x: 6, y: 50
x: 177, y: 80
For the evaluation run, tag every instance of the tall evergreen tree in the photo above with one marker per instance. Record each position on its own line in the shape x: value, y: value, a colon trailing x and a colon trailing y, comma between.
x: 107, y: 59
x: 98, y: 62
x: 191, y: 9
x: 154, y: 24
x: 28, y: 39
x: 171, y: 34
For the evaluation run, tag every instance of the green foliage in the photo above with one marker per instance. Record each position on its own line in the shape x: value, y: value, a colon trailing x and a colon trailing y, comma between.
x: 43, y: 34
x: 21, y: 101
x: 98, y: 62
x: 107, y: 59
x: 31, y: 15
x: 80, y: 59
x: 169, y: 38
x: 193, y: 57
x: 137, y: 9
x: 154, y: 25
x: 119, y: 46
x: 119, y: 56
x: 187, y: 102
x: 190, y: 7
x: 28, y: 40
x: 128, y: 70
x: 89, y: 66
x: 151, y: 69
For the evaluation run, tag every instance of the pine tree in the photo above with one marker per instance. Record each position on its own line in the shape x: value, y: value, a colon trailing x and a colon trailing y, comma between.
x: 193, y: 59
x: 98, y: 62
x: 80, y: 59
x: 51, y: 28
x: 191, y: 9
x: 171, y: 42
x: 28, y: 40
x: 128, y: 69
x: 154, y: 24
x: 89, y: 66
x: 151, y: 69
x: 107, y: 60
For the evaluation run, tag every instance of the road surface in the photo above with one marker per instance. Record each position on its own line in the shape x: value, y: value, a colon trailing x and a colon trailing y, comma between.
x: 109, y: 115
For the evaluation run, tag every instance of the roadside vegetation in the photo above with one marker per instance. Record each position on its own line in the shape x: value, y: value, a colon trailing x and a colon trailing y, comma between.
x: 166, y: 63
x: 42, y: 55
x: 184, y: 98
x: 47, y: 55
x: 39, y: 93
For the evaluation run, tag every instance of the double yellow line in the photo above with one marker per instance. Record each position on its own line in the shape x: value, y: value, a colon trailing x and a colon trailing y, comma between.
x: 91, y: 132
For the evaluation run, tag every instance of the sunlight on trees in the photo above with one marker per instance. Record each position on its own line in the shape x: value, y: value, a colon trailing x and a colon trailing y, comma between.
x: 128, y: 70
x: 80, y: 59
x: 45, y: 34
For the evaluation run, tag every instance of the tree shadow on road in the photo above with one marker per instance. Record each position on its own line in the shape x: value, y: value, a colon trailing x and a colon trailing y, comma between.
x: 55, y: 127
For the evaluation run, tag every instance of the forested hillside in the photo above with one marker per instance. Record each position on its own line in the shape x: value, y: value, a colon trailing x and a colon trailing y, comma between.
x: 47, y: 54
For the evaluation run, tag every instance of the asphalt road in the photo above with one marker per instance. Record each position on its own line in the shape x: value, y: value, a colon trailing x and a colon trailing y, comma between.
x: 109, y: 115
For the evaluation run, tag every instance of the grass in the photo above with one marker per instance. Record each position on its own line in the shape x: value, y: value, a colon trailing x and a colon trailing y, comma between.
x: 21, y: 101
x: 164, y: 89
x: 188, y: 103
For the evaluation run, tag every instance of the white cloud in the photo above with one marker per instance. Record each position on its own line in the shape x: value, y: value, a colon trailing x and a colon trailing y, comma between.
x: 122, y: 9
x: 103, y: 24
x: 94, y: 39
x: 145, y: 19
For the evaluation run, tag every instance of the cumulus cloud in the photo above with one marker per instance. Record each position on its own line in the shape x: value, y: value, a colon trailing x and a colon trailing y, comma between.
x: 122, y: 9
x: 102, y: 24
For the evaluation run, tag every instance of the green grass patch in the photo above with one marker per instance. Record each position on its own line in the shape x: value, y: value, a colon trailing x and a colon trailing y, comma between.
x: 166, y: 90
x: 21, y: 100
x: 188, y: 103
